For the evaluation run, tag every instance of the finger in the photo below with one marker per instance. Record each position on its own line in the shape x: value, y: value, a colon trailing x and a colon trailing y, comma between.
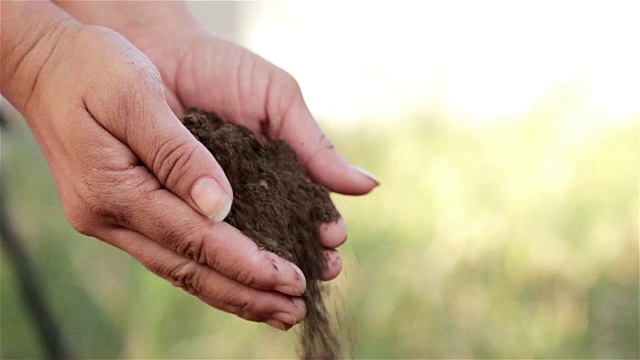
x: 325, y: 165
x: 333, y: 234
x: 211, y: 286
x: 138, y: 115
x: 160, y: 215
x: 181, y: 163
x: 333, y: 264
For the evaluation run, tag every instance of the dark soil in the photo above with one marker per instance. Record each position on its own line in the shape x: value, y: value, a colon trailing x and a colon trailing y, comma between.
x: 280, y: 208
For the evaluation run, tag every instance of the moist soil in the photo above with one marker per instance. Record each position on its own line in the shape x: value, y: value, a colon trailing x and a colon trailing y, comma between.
x: 280, y: 208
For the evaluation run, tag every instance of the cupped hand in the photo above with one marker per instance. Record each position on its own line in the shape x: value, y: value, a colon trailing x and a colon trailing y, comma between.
x: 130, y: 174
x: 204, y: 70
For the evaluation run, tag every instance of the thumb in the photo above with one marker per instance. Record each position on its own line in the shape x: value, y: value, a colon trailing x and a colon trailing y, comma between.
x: 184, y: 166
x: 179, y: 161
x: 127, y: 97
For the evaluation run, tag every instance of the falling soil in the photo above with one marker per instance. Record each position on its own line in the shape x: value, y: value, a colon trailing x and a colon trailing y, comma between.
x: 280, y: 208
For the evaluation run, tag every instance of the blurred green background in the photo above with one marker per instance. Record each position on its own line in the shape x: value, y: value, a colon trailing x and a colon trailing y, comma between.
x: 510, y: 238
x: 506, y: 241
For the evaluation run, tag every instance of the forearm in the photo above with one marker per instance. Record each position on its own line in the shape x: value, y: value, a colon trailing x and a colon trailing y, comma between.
x: 30, y: 31
x: 161, y: 30
x: 145, y: 24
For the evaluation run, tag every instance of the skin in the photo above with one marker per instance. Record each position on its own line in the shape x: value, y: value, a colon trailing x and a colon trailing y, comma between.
x: 102, y: 86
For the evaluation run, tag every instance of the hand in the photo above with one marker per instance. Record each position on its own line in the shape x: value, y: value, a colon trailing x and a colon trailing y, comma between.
x: 203, y: 70
x: 215, y: 74
x: 128, y: 172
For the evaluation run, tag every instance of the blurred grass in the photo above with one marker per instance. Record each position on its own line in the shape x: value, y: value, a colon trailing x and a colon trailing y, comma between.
x: 513, y: 239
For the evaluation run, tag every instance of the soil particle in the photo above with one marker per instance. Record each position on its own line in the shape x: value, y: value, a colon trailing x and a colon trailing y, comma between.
x: 278, y: 206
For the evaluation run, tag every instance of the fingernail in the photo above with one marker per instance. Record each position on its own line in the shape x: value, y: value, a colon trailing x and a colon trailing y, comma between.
x: 286, y: 318
x: 277, y: 324
x: 212, y: 200
x: 367, y: 174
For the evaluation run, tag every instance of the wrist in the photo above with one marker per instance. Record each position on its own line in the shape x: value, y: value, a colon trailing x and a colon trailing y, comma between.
x: 147, y: 25
x: 27, y: 45
x: 160, y: 30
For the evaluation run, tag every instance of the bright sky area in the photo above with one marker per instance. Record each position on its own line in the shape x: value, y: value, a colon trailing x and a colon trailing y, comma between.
x: 482, y: 61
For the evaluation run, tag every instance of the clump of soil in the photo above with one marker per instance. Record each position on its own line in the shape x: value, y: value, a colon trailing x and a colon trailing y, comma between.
x: 279, y: 207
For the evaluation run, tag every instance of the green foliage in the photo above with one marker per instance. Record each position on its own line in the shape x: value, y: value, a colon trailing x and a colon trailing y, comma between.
x: 503, y: 240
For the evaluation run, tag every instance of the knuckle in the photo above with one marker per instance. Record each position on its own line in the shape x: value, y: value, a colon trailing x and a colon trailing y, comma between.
x: 195, y: 247
x: 245, y: 307
x: 246, y: 276
x: 105, y: 210
x: 288, y: 82
x: 89, y: 213
x: 252, y: 269
x: 172, y: 161
x: 174, y: 238
x: 206, y: 254
x: 79, y: 220
x: 184, y: 275
x: 289, y: 97
x: 190, y: 247
x: 106, y: 202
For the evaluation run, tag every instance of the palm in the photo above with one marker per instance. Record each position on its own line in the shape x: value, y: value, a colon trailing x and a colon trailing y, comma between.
x: 220, y: 76
x: 205, y: 71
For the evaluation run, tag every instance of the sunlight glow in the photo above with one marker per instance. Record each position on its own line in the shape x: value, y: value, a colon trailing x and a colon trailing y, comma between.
x: 479, y: 61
